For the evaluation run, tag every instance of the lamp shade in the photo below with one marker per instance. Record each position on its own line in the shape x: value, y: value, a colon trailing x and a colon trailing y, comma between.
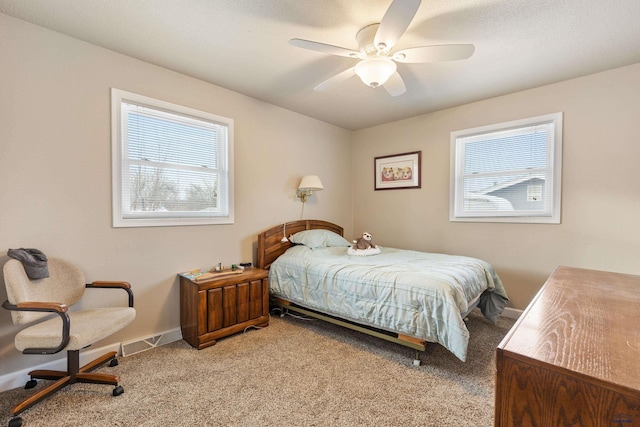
x: 375, y: 72
x: 310, y: 182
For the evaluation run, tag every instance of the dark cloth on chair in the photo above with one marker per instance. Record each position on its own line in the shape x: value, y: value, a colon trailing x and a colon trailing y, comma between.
x: 33, y: 260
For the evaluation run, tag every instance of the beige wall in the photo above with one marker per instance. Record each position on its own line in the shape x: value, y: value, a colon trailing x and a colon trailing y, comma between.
x: 600, y: 196
x: 55, y: 172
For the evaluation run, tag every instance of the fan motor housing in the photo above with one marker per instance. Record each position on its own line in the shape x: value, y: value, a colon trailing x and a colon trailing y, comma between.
x: 365, y: 38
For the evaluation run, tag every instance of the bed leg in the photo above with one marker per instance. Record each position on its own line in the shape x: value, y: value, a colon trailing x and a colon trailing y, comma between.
x: 417, y: 361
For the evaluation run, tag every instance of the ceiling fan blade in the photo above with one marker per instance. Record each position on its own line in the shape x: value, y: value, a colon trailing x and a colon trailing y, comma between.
x: 436, y: 53
x: 341, y: 76
x: 324, y: 48
x: 395, y: 85
x: 395, y: 22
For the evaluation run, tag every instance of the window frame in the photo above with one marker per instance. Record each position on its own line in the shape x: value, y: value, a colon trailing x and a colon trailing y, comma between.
x: 554, y: 165
x: 162, y: 219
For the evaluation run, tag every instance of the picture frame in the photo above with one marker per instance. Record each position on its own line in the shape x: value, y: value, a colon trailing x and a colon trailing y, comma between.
x: 398, y: 171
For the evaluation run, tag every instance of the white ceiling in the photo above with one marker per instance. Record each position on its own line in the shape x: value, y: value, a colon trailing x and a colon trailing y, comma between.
x: 243, y: 45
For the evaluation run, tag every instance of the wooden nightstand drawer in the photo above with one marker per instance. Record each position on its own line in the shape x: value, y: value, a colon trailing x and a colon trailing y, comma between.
x: 220, y: 307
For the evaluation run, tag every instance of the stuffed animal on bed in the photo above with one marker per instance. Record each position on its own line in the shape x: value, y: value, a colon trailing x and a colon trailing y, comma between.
x: 364, y: 242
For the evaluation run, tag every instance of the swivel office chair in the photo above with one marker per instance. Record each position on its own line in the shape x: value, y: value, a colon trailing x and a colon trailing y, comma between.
x: 36, y: 301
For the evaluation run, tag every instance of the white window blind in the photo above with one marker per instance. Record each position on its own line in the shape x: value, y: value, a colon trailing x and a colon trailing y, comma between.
x: 508, y: 172
x: 173, y: 164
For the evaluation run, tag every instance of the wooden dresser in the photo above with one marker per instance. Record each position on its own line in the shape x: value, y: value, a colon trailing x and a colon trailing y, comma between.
x: 573, y: 357
x: 218, y: 307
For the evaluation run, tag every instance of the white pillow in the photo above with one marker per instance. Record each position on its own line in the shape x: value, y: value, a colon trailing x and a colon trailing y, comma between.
x: 316, y: 239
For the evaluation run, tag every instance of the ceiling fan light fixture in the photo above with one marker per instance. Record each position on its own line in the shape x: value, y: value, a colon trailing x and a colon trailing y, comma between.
x: 377, y: 65
x: 375, y: 72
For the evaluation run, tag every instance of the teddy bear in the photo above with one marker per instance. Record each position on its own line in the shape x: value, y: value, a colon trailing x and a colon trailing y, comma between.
x: 364, y: 242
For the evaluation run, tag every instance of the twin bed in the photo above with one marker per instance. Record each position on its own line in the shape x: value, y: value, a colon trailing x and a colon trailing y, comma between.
x: 403, y: 296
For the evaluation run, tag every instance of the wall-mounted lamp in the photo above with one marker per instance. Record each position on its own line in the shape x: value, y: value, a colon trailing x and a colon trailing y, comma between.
x: 308, y: 185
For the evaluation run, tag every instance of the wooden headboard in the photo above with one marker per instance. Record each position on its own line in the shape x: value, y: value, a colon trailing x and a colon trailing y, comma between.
x: 270, y: 245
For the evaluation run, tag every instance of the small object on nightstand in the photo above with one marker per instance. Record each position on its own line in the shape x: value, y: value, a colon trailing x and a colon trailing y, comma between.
x: 245, y: 264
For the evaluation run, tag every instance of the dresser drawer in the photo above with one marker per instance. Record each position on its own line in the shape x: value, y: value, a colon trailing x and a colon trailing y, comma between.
x: 218, y: 308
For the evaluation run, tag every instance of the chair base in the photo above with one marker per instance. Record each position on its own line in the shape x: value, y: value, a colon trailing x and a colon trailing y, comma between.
x: 73, y: 374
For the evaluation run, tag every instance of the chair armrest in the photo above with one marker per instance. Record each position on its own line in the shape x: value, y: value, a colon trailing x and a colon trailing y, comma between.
x: 109, y: 285
x: 45, y: 307
x: 40, y: 306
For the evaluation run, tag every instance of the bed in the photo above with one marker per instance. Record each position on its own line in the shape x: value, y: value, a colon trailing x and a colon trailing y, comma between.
x: 408, y: 297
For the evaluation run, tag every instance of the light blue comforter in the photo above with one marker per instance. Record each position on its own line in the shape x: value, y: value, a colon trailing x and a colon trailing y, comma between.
x: 414, y: 293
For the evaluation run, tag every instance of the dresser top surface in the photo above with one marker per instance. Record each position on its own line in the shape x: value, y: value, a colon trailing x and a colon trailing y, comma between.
x: 585, y: 321
x: 211, y: 279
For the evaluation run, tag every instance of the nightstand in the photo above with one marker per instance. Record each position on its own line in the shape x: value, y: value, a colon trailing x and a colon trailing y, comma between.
x: 221, y: 306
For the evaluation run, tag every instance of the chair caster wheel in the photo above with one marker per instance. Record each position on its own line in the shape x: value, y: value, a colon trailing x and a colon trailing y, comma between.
x: 15, y: 422
x: 118, y: 390
x: 114, y: 362
x: 30, y: 384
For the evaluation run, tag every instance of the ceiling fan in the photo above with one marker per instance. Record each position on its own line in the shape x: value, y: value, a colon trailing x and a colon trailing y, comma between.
x: 377, y: 65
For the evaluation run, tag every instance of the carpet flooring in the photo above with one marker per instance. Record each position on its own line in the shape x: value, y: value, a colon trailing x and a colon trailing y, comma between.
x: 292, y: 373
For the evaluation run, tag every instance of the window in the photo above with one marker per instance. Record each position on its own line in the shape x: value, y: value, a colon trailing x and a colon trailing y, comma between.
x: 171, y: 165
x: 508, y: 172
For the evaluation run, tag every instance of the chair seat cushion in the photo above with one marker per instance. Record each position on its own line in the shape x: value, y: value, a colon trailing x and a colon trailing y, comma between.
x: 87, y: 327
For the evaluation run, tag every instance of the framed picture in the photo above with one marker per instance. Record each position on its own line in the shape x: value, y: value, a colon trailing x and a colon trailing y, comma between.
x: 397, y: 171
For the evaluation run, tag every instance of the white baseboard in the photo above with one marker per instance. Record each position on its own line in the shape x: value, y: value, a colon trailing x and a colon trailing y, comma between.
x: 511, y: 313
x: 19, y: 378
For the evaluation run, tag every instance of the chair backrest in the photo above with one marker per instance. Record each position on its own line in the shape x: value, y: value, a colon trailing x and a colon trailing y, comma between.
x: 65, y: 284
